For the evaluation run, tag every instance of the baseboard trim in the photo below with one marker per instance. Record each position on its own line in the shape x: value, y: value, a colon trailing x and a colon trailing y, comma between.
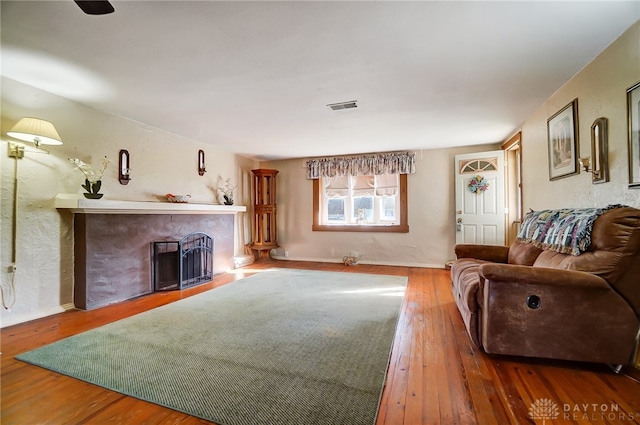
x: 374, y: 263
x: 36, y: 315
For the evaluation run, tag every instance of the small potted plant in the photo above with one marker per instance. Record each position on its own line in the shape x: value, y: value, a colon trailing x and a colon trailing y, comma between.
x: 93, y: 179
x: 227, y: 191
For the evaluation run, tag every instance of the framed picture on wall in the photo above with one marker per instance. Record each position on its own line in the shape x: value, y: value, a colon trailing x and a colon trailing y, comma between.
x: 562, y: 138
x: 633, y: 119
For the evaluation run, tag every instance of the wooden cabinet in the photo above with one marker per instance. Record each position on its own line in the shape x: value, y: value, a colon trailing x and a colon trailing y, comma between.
x: 264, y: 213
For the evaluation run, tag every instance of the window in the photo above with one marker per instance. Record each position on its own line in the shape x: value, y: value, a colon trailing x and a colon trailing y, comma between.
x: 478, y: 165
x: 361, y: 203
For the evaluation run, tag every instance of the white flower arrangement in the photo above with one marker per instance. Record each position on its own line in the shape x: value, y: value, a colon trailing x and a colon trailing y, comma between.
x: 227, y: 191
x: 92, y: 183
x: 88, y: 172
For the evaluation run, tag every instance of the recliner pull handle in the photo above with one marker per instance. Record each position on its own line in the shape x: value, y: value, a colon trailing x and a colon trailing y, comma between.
x: 533, y: 302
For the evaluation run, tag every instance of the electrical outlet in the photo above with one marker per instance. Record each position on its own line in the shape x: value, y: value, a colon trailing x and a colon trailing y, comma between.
x: 12, y: 268
x: 286, y: 253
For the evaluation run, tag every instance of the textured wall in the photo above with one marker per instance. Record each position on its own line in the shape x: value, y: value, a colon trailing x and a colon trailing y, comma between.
x: 601, y: 92
x: 162, y: 162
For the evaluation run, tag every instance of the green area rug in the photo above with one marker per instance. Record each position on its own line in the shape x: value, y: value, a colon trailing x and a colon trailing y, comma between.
x: 290, y: 347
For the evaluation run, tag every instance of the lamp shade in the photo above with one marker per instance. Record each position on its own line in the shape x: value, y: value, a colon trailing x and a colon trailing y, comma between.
x: 36, y: 131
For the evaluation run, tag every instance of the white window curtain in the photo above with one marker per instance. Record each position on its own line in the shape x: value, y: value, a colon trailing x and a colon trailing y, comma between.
x: 388, y: 163
x: 363, y: 186
x: 336, y: 186
x: 386, y: 185
x: 383, y: 185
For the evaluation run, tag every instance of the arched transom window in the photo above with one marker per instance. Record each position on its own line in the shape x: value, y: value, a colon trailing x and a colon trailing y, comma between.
x: 472, y: 166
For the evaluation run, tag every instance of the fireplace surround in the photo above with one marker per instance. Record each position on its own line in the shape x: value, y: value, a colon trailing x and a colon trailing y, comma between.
x: 113, y: 240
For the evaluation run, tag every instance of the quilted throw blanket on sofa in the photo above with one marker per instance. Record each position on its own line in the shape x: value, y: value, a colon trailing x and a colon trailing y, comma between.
x: 565, y: 230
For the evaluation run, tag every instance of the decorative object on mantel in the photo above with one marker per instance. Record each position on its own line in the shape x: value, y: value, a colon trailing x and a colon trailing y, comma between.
x: 227, y: 191
x: 178, y: 199
x: 124, y: 167
x: 202, y: 166
x: 93, y: 180
x: 478, y: 184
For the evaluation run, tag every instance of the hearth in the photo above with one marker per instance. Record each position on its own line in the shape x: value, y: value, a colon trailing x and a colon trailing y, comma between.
x: 184, y: 263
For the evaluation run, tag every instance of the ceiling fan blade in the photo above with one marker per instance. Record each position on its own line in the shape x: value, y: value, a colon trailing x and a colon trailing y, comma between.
x: 98, y: 7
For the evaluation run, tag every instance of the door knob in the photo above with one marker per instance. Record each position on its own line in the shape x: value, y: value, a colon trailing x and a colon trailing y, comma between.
x: 459, y: 212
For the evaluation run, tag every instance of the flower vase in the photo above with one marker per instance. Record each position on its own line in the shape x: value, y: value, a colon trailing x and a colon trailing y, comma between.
x: 228, y: 200
x: 92, y: 189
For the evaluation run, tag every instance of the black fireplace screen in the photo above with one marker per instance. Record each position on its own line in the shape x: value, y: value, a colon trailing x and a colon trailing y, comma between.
x: 182, y: 264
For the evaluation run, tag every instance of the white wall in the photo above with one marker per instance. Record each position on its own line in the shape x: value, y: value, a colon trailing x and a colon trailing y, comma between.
x: 601, y: 92
x: 161, y: 163
x: 431, y: 203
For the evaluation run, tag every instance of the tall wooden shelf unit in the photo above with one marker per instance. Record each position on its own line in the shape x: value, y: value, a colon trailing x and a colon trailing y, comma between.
x: 264, y: 213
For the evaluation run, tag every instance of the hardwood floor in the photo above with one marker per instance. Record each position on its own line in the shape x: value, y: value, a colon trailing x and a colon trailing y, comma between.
x: 435, y: 376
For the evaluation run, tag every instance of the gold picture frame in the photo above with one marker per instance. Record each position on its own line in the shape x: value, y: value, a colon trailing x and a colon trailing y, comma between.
x: 633, y: 120
x: 562, y: 138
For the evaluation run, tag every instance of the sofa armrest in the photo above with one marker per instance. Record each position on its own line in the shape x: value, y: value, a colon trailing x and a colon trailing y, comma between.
x: 554, y: 313
x: 558, y: 279
x: 493, y: 253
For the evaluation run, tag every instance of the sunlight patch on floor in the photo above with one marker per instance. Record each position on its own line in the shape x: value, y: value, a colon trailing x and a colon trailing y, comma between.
x: 394, y: 291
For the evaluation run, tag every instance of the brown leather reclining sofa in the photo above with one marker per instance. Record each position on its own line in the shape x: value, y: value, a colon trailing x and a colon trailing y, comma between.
x: 526, y: 301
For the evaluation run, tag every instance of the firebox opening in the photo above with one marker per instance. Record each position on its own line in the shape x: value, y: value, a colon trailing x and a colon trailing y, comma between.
x: 182, y: 264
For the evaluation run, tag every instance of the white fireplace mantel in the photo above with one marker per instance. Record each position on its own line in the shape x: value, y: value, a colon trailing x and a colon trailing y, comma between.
x: 79, y: 205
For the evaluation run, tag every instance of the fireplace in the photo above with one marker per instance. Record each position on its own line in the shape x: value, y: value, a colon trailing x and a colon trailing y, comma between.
x: 113, y: 243
x: 184, y: 263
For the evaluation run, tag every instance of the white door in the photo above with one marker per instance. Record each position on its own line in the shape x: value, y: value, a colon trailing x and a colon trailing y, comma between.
x: 480, y: 202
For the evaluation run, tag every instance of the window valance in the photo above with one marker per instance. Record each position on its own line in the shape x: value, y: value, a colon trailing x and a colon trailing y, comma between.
x: 365, y: 165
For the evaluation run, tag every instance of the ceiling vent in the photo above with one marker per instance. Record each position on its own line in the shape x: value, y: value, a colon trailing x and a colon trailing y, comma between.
x: 343, y: 105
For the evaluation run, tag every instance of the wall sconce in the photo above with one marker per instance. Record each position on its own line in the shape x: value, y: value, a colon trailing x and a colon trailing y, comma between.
x: 202, y: 167
x: 586, y: 165
x: 599, y: 167
x: 124, y: 167
x: 34, y: 130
